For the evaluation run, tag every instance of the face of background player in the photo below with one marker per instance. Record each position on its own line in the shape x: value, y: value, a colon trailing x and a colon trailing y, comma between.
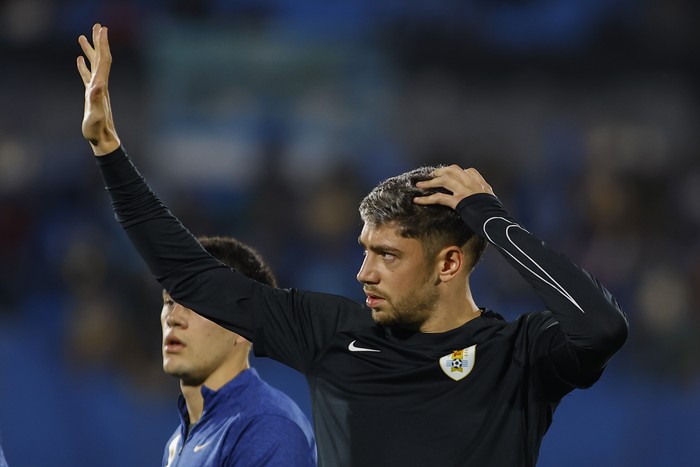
x: 399, y: 281
x: 197, y: 350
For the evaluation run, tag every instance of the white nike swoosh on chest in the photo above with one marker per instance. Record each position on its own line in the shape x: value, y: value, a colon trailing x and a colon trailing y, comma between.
x: 353, y: 348
x: 199, y: 447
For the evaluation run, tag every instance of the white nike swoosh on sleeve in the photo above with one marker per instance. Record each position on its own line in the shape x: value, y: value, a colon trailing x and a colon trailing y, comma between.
x: 549, y: 280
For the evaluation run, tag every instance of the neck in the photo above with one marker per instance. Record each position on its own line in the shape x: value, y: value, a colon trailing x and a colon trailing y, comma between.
x: 193, y: 400
x: 193, y: 394
x: 453, y: 309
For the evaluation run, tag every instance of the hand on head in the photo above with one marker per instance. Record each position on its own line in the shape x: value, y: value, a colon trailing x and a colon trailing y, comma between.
x: 98, y: 124
x: 461, y: 183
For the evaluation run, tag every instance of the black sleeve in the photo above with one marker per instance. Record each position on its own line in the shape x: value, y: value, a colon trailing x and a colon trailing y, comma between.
x: 288, y: 325
x: 592, y: 325
x: 191, y: 276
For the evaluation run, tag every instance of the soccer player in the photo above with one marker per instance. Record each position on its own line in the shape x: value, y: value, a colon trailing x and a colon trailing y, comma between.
x: 419, y: 375
x: 228, y: 415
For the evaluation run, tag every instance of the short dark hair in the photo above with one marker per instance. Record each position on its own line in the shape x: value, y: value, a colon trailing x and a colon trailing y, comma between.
x: 241, y: 257
x: 436, y: 226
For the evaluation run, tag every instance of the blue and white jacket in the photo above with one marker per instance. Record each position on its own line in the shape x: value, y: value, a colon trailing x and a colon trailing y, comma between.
x: 245, y: 423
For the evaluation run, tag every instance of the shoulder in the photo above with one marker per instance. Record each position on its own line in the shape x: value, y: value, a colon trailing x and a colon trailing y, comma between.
x: 534, y: 322
x: 538, y: 322
x: 275, y: 433
x: 525, y: 329
x: 273, y: 441
x: 270, y: 401
x: 255, y: 399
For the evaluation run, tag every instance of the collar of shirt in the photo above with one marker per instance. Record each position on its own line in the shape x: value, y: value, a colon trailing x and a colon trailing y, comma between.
x: 229, y: 395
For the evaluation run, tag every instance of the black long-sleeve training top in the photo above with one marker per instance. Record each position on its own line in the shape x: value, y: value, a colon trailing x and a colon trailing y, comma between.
x: 480, y: 395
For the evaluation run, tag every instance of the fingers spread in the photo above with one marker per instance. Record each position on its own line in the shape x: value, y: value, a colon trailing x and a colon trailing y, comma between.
x: 437, y: 198
x: 83, y: 70
x: 429, y: 199
x: 104, y: 44
x: 442, y: 177
x: 103, y: 56
x: 87, y: 48
x: 95, y: 32
x: 430, y: 183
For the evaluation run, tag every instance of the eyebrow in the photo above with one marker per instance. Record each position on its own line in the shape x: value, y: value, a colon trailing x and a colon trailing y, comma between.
x: 378, y: 248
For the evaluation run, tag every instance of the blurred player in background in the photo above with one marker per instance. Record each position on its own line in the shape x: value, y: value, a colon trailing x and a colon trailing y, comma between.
x: 229, y: 416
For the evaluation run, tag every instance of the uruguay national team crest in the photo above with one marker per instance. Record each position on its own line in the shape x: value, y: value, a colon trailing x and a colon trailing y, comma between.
x: 459, y: 363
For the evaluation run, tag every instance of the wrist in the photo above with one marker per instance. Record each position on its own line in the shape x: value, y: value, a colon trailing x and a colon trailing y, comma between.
x: 105, y: 146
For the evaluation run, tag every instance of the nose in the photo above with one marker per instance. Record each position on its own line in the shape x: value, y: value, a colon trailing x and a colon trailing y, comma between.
x: 367, y: 273
x: 177, y: 317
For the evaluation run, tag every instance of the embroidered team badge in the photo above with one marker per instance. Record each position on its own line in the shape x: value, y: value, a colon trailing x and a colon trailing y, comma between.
x: 459, y: 363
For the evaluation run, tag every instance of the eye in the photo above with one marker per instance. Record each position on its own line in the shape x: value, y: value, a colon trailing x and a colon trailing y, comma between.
x: 388, y: 256
x: 168, y: 302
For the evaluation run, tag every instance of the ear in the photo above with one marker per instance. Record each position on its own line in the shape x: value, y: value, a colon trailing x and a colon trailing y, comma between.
x: 450, y: 263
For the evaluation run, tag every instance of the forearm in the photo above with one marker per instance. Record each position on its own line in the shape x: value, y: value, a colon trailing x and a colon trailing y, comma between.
x: 587, y: 313
x: 191, y: 276
x: 136, y: 205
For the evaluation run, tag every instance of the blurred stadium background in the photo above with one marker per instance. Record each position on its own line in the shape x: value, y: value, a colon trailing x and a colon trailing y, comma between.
x: 270, y: 119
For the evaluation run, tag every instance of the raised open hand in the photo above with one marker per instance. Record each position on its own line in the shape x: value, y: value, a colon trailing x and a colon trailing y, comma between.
x: 98, y: 124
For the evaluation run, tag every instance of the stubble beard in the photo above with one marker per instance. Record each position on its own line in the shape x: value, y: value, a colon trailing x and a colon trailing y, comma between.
x: 412, y: 310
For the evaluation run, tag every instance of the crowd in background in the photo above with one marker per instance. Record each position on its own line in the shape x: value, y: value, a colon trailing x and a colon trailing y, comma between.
x: 269, y: 121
